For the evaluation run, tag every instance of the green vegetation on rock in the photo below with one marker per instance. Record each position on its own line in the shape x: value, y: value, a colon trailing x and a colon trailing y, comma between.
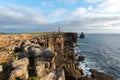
x: 33, y: 78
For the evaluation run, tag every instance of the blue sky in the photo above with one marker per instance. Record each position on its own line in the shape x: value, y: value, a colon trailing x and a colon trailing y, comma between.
x: 89, y: 16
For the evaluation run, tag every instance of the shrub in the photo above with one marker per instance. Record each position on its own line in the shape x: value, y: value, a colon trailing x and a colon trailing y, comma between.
x: 33, y: 78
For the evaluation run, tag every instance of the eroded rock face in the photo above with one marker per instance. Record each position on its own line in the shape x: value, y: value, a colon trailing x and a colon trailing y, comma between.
x: 20, y: 69
x: 47, y: 55
x: 1, y: 68
x: 23, y: 61
x: 42, y: 68
x: 43, y: 61
x: 45, y: 65
x: 50, y: 58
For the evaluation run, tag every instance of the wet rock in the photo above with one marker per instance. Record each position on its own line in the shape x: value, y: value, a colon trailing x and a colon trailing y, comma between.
x: 100, y: 75
x: 81, y: 58
x: 72, y: 74
x: 85, y: 78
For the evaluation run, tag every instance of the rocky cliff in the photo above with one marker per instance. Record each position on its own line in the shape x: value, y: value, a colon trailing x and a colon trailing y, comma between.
x: 6, y: 39
x: 47, y: 57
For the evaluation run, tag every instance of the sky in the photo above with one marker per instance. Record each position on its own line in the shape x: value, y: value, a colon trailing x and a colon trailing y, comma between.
x: 89, y: 16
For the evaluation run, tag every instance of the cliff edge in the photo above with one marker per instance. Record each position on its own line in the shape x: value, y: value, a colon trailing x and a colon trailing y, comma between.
x: 47, y: 57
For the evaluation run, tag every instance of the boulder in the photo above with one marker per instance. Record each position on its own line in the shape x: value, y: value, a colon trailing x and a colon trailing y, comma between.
x: 20, y: 72
x: 34, y: 51
x: 81, y: 58
x: 47, y: 55
x: 42, y: 68
x: 100, y: 75
x: 19, y: 69
x: 23, y: 61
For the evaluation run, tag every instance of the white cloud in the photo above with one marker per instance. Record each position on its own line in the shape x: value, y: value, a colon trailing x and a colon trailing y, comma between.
x: 104, y: 6
x: 94, y: 18
x: 85, y: 19
x: 93, y: 1
x: 103, y: 16
x: 58, y: 12
x: 47, y: 3
x: 16, y: 15
x: 109, y: 6
x: 90, y: 8
x: 79, y: 11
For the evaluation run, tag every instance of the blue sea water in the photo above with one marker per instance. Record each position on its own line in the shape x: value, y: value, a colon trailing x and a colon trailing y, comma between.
x: 102, y: 52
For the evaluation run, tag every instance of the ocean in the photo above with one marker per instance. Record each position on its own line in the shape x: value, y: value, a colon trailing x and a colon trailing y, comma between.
x: 102, y: 52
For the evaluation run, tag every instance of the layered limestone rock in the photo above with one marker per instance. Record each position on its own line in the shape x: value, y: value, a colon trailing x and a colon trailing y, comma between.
x: 45, y: 65
x: 20, y: 69
x: 49, y: 57
x: 43, y: 61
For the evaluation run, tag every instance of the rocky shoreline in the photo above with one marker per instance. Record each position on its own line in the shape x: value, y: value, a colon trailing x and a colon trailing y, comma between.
x: 46, y: 57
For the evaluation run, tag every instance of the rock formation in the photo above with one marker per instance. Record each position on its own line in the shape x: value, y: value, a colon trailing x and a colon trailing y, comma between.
x: 100, y: 75
x: 20, y: 69
x: 48, y: 57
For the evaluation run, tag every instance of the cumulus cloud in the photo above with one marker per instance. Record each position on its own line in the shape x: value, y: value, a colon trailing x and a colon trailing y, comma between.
x: 79, y: 11
x: 109, y: 6
x: 85, y: 19
x: 57, y: 12
x: 103, y: 17
x: 105, y: 6
x: 12, y: 16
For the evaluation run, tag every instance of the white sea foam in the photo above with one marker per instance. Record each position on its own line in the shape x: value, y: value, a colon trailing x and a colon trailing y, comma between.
x: 118, y: 79
x: 85, y: 68
x: 102, y: 52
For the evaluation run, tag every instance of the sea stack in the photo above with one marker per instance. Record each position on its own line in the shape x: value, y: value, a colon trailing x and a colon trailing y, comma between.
x: 82, y: 35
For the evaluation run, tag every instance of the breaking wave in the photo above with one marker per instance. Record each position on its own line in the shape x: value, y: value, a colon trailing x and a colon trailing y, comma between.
x: 102, y: 52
